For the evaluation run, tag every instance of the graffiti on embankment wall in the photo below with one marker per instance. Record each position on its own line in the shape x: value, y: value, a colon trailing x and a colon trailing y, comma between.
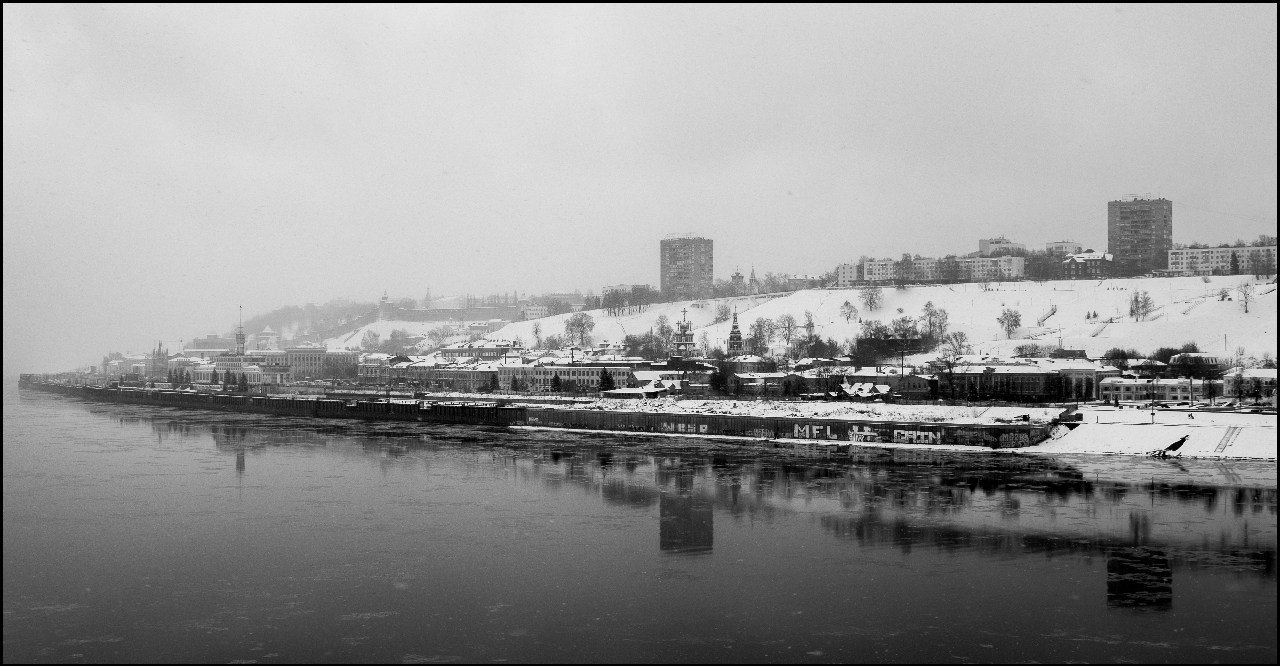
x: 989, y: 436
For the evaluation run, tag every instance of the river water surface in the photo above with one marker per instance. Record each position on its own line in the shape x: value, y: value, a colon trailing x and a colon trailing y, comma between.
x: 158, y: 535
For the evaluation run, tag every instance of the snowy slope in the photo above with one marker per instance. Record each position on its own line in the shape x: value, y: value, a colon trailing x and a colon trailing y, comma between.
x: 1188, y: 311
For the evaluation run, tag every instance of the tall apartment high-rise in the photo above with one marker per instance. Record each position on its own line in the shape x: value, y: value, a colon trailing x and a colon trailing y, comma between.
x: 1139, y: 234
x: 686, y: 262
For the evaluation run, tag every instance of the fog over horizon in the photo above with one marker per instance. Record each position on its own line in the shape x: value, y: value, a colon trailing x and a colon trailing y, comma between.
x: 166, y: 164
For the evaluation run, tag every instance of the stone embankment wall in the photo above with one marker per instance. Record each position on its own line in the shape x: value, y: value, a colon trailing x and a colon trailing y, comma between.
x: 495, y: 414
x: 766, y: 427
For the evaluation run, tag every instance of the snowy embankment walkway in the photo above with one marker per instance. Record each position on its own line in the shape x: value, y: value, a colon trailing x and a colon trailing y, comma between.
x: 1105, y: 430
x: 1210, y: 435
x: 968, y: 415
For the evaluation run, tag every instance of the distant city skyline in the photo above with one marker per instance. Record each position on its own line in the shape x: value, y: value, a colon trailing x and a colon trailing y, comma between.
x: 166, y: 164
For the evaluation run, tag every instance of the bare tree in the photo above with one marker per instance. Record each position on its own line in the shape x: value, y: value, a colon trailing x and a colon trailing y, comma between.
x: 1140, y: 305
x: 1009, y: 320
x: 762, y: 332
x: 848, y: 311
x: 947, y: 364
x: 871, y: 297
x: 579, y: 326
x: 439, y: 334
x: 663, y: 329
x: 787, y: 328
x: 934, y: 321
x: 1245, y: 292
x: 957, y: 343
x: 904, y: 328
x: 722, y: 313
x: 537, y: 335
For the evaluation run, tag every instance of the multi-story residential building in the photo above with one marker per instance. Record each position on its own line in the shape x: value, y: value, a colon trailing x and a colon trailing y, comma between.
x: 531, y: 311
x: 879, y: 270
x: 988, y: 246
x: 1139, y: 234
x: 1087, y: 265
x: 933, y: 270
x: 994, y: 268
x: 847, y: 275
x: 686, y: 266
x: 1250, y: 260
x: 918, y: 269
x: 1063, y: 247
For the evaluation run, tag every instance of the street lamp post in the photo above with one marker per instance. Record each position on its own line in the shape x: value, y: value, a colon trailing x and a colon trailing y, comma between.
x: 1155, y: 384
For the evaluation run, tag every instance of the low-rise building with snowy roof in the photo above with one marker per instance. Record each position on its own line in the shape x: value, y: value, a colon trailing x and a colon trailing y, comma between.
x: 1088, y: 265
x: 747, y: 363
x: 1251, y: 384
x: 573, y: 377
x: 1182, y: 389
x: 1198, y: 358
x: 757, y: 383
x: 1000, y: 382
x: 1147, y: 366
x: 481, y: 349
x: 198, y: 352
x: 1081, y: 376
x: 813, y: 362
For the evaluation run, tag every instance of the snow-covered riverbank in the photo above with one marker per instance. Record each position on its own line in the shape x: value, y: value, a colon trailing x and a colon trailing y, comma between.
x: 1210, y: 435
x: 835, y: 410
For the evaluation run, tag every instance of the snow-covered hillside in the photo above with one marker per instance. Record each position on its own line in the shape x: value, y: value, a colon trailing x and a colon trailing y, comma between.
x: 1187, y: 310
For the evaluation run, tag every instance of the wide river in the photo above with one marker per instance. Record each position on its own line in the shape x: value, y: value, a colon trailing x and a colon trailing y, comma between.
x: 146, y: 534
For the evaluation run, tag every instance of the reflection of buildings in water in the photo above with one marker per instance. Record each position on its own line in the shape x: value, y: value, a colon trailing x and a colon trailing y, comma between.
x: 979, y: 503
x: 623, y: 491
x: 1009, y: 505
x: 1139, y: 527
x: 686, y: 522
x: 1139, y: 578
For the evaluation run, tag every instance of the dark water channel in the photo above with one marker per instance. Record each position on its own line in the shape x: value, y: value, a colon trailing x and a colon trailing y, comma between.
x: 156, y: 535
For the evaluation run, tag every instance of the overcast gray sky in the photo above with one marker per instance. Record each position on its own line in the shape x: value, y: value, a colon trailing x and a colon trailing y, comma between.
x: 165, y: 164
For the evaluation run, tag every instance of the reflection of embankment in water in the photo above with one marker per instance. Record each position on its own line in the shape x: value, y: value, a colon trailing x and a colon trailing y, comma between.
x: 1029, y: 497
x: 1030, y: 505
x: 1139, y: 469
x: 686, y: 519
x: 873, y: 529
